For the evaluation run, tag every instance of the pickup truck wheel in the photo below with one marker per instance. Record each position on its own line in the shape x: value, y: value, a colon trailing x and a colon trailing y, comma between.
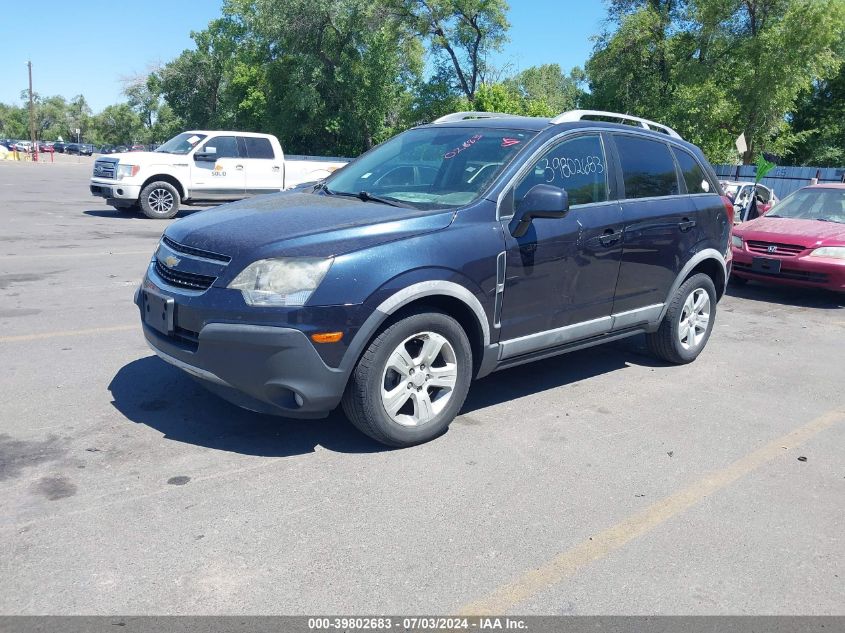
x: 688, y: 322
x: 159, y: 200
x: 411, y: 381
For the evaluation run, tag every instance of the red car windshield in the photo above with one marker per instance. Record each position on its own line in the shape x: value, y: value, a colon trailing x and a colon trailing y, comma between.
x: 825, y: 205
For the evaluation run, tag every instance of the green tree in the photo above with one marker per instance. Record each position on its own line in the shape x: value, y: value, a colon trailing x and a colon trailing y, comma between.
x: 116, y: 124
x: 819, y: 123
x: 465, y: 31
x: 548, y: 84
x: 716, y: 68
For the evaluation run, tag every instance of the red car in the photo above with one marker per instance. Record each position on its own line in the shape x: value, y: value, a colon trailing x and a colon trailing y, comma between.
x: 800, y: 242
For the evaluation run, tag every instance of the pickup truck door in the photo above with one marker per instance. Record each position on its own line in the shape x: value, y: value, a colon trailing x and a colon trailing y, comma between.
x: 262, y: 167
x: 222, y: 178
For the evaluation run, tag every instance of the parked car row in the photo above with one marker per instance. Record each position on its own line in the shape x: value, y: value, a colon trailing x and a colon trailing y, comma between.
x: 83, y: 149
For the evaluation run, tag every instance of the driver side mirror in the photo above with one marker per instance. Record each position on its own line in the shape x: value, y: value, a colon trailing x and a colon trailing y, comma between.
x: 541, y: 201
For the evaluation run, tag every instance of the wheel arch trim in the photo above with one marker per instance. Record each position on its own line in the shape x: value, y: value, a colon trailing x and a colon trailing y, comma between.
x: 405, y: 296
x: 695, y: 260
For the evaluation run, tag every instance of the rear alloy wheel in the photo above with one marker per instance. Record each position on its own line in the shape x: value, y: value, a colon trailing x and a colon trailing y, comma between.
x: 411, y: 381
x: 686, y: 327
x: 159, y: 200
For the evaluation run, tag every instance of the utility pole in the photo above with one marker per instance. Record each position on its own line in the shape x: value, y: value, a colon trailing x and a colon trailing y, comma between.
x: 31, y: 107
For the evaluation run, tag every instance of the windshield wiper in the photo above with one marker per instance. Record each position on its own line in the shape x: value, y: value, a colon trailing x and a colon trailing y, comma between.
x: 829, y: 220
x: 368, y: 197
x: 365, y: 196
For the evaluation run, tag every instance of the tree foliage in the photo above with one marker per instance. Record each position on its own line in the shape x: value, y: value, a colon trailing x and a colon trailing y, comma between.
x: 338, y: 76
x: 716, y: 68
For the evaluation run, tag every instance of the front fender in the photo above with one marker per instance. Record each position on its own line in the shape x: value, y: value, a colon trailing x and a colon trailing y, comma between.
x: 408, y: 288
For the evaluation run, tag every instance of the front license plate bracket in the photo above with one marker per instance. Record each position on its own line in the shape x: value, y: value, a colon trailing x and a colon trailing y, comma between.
x: 765, y: 265
x: 159, y: 312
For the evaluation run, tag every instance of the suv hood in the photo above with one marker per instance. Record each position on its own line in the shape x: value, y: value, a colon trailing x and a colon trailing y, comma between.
x: 806, y: 233
x: 302, y: 224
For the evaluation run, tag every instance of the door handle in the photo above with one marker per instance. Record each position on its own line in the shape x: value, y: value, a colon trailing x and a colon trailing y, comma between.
x: 686, y: 224
x: 610, y: 237
x: 239, y: 167
x: 275, y: 168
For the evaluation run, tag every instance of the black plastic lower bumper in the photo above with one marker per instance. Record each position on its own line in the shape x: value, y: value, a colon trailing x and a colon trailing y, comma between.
x: 262, y: 368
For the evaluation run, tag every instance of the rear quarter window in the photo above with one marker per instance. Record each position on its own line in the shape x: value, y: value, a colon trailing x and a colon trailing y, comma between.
x: 647, y: 167
x: 692, y: 173
x: 259, y: 148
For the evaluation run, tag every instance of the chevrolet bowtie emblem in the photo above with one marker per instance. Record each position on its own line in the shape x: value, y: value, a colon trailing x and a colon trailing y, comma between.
x: 171, y: 261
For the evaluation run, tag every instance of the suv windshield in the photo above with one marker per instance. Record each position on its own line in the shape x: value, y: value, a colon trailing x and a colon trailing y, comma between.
x: 431, y: 167
x: 181, y: 143
x: 827, y: 205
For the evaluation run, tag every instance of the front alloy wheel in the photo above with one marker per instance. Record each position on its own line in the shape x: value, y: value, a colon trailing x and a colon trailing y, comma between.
x: 159, y: 200
x: 412, y: 379
x: 419, y: 379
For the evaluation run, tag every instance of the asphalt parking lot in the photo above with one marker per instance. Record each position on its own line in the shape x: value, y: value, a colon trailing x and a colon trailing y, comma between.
x: 601, y: 482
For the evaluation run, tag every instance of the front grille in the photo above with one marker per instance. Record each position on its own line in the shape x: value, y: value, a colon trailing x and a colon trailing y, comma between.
x: 782, y: 250
x: 795, y: 275
x: 103, y: 169
x: 190, y: 250
x: 181, y: 279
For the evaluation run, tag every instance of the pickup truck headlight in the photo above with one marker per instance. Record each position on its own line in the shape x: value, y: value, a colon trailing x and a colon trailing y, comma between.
x: 126, y: 171
x: 286, y: 281
x: 736, y: 240
x: 835, y: 252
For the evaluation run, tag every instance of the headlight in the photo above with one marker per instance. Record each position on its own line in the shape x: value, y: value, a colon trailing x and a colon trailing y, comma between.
x: 836, y: 252
x: 126, y: 171
x: 287, y: 281
x: 736, y: 240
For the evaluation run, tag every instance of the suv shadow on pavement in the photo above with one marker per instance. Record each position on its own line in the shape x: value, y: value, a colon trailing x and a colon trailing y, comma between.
x: 787, y: 295
x: 135, y: 215
x: 152, y: 392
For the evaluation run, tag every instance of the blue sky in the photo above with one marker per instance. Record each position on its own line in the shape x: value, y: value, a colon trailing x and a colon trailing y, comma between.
x: 87, y: 47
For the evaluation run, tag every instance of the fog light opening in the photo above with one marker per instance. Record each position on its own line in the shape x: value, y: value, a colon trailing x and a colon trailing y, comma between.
x: 298, y: 399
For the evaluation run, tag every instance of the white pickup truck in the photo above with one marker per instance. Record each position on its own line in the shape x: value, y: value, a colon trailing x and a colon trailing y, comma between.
x: 200, y: 167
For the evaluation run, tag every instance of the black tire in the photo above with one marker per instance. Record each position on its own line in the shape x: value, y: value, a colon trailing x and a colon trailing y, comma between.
x: 666, y: 342
x: 159, y: 200
x: 362, y: 400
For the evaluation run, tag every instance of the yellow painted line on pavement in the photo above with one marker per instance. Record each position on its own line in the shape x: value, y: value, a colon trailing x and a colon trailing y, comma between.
x: 571, y: 561
x: 45, y: 335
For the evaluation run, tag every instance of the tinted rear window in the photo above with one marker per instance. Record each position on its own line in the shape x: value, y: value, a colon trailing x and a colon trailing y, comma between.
x: 258, y: 147
x: 692, y: 173
x: 647, y: 167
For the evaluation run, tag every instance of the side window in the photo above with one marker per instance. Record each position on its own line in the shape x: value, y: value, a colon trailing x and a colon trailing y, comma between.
x: 647, y: 167
x: 693, y: 175
x: 763, y: 194
x: 258, y: 147
x: 224, y: 147
x: 576, y: 165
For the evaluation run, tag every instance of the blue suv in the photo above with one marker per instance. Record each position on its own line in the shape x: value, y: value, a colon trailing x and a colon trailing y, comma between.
x: 455, y: 249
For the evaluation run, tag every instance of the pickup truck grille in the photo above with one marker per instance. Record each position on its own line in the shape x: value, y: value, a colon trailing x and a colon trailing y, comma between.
x: 181, y: 279
x: 104, y: 169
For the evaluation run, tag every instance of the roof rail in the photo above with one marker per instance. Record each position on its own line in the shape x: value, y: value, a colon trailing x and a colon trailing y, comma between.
x: 463, y: 116
x: 579, y: 115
